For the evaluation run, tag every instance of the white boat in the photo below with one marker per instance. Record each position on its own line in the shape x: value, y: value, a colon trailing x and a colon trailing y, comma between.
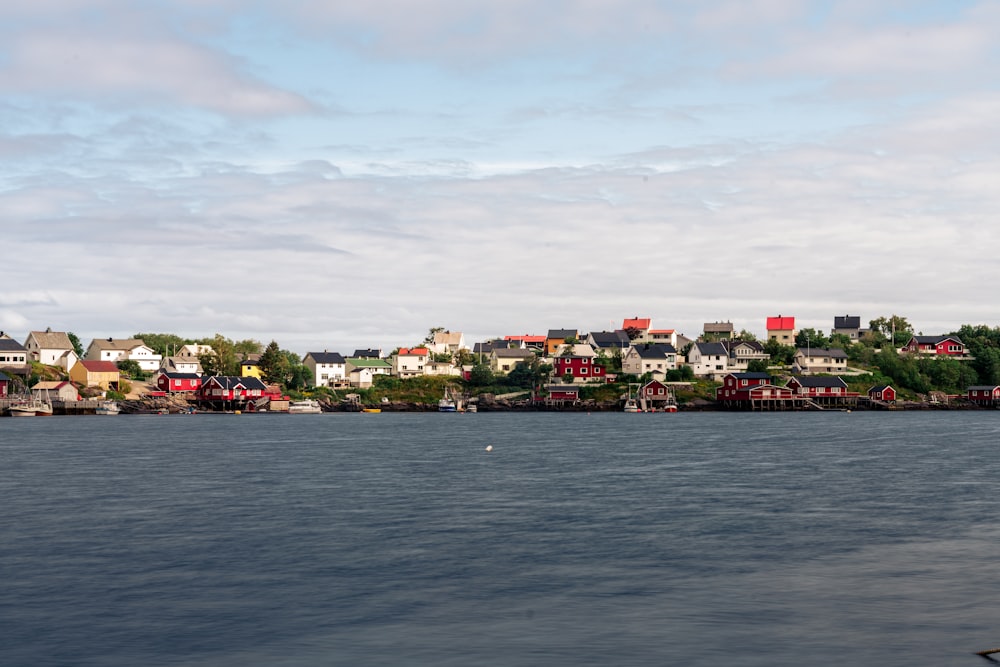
x: 23, y: 409
x: 305, y: 407
x: 36, y: 406
x: 472, y: 408
x: 447, y: 403
x: 108, y: 408
x: 631, y: 405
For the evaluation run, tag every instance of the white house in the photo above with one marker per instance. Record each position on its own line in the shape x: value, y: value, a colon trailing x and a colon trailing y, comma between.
x: 709, y: 360
x: 115, y: 350
x: 52, y: 348
x: 819, y: 360
x: 447, y: 342
x: 409, y: 361
x: 327, y: 368
x: 187, y: 365
x: 649, y: 358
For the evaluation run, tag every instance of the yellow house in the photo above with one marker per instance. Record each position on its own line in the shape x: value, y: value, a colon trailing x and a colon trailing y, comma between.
x: 249, y: 367
x: 103, y: 374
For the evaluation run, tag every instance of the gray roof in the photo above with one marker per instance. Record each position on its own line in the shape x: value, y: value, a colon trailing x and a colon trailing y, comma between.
x: 847, y: 322
x: 757, y: 375
x: 713, y: 348
x: 4, y: 378
x: 562, y: 333
x: 51, y: 340
x: 512, y: 353
x: 11, y: 345
x: 609, y: 338
x: 654, y: 350
x: 327, y: 357
x: 819, y: 381
x: 983, y: 387
x: 834, y: 353
x: 718, y: 327
x: 934, y: 340
x: 231, y: 381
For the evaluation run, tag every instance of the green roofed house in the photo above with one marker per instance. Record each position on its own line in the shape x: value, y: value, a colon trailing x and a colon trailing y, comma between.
x: 361, y: 372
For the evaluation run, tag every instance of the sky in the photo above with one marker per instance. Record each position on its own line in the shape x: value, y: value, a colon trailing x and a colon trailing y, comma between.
x: 335, y: 175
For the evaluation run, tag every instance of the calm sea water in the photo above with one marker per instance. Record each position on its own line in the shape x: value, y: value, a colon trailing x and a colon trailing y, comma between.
x: 603, y: 539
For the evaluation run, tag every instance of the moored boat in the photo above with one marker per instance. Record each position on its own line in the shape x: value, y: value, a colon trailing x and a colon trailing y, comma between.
x: 108, y: 408
x: 306, y: 406
x: 23, y: 409
x: 447, y: 403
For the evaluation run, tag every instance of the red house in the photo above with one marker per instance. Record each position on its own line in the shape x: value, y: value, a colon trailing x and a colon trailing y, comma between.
x: 882, y: 392
x: 752, y: 390
x: 582, y: 369
x: 4, y: 379
x: 561, y: 393
x: 178, y: 382
x: 984, y: 395
x: 655, y: 394
x: 230, y: 388
x: 820, y: 387
x: 950, y: 346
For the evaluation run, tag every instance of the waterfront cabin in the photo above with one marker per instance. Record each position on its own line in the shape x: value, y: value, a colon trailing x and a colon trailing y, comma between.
x: 230, y: 390
x: 57, y: 390
x: 984, y: 395
x: 754, y: 391
x: 4, y: 382
x: 822, y: 390
x: 882, y: 392
x: 91, y: 373
x: 560, y: 394
x: 178, y: 382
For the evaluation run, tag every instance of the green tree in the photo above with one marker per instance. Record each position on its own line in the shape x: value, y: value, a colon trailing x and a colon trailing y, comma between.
x: 273, y: 365
x: 429, y: 338
x: 811, y: 338
x: 130, y: 368
x: 223, y: 359
x: 75, y: 342
x: 481, y: 376
x: 757, y: 366
x: 247, y: 347
x: 780, y: 354
x: 894, y: 324
x: 163, y: 344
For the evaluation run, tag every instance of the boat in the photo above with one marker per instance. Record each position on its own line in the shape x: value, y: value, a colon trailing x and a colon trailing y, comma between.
x: 631, y: 406
x: 472, y: 408
x: 447, y: 403
x: 22, y: 409
x: 107, y: 408
x: 306, y: 406
x: 372, y: 410
x: 36, y: 406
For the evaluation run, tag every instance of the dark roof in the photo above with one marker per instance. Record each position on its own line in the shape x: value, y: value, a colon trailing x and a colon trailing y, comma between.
x: 367, y: 354
x: 880, y: 387
x: 654, y: 350
x: 983, y: 387
x: 713, y: 348
x: 230, y: 381
x: 757, y: 375
x: 11, y: 345
x: 718, y: 327
x: 819, y: 381
x: 327, y: 357
x: 836, y: 353
x: 180, y: 376
x: 934, y: 340
x: 753, y: 344
x: 561, y: 333
x: 609, y: 338
x: 4, y: 378
x: 847, y: 322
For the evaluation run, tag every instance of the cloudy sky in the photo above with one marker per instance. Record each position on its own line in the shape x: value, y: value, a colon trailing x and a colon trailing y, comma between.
x: 335, y: 175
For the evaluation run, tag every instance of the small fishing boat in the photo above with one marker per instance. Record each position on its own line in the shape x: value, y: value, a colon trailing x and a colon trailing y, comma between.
x: 23, y: 409
x: 631, y: 405
x: 447, y: 403
x: 107, y: 408
x: 371, y: 410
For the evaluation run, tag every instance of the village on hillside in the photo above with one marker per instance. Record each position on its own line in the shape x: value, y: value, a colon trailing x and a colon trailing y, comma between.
x: 636, y: 368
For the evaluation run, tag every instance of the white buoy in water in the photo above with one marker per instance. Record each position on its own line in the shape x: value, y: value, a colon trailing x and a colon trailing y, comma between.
x: 489, y: 448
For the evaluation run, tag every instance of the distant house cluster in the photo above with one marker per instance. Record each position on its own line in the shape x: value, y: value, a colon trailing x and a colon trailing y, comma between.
x: 576, y: 357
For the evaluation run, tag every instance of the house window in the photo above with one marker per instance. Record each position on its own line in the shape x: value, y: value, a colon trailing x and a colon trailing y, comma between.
x: 583, y: 371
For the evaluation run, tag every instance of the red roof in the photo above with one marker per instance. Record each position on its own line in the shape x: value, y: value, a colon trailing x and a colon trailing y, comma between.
x: 661, y: 331
x: 526, y: 338
x: 636, y: 323
x: 780, y: 323
x: 419, y: 351
x: 99, y: 366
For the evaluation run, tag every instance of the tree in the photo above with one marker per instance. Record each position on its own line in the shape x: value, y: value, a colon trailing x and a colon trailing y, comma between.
x: 811, y: 338
x: 894, y: 324
x: 273, y: 365
x: 75, y: 341
x: 746, y: 335
x: 429, y: 338
x: 757, y: 366
x: 163, y: 344
x: 223, y: 359
x: 481, y: 376
x: 131, y: 369
x: 248, y: 346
